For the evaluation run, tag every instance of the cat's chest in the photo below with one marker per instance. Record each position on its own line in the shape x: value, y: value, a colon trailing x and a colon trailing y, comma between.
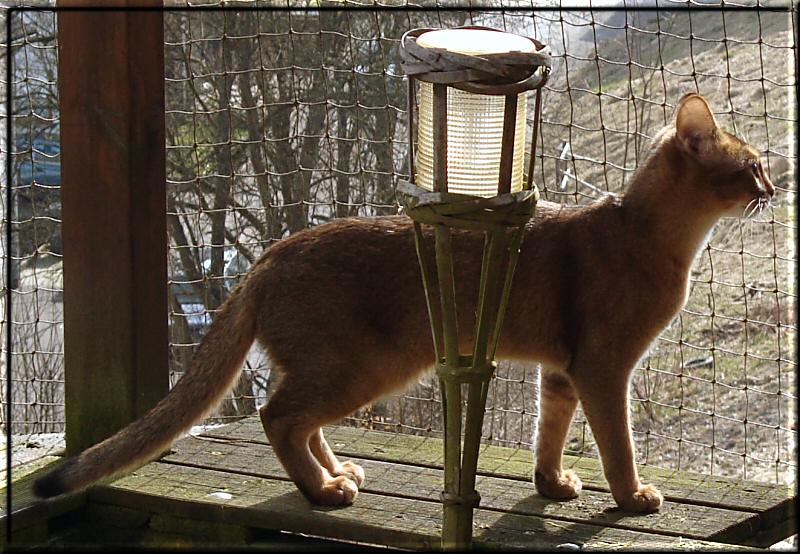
x: 664, y: 289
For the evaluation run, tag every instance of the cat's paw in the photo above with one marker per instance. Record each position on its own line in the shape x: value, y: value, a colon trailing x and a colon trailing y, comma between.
x: 338, y: 491
x: 646, y: 499
x: 558, y: 485
x: 352, y: 471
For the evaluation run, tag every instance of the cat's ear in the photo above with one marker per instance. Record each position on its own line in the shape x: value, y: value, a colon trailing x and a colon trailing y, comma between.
x: 695, y: 125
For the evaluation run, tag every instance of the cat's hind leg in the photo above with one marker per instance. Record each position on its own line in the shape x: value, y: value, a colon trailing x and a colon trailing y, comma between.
x: 556, y: 408
x: 324, y: 378
x: 289, y: 427
x: 323, y: 453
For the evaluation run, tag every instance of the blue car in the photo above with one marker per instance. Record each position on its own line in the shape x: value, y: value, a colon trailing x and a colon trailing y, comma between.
x: 42, y: 165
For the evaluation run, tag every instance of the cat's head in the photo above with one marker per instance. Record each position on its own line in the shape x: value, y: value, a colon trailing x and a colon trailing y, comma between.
x: 731, y: 171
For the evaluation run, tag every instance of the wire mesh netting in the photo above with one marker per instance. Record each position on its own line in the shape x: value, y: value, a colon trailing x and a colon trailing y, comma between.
x: 281, y: 120
x: 35, y: 263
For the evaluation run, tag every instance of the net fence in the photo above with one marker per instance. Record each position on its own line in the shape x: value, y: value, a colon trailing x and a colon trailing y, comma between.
x: 281, y: 120
x: 36, y: 284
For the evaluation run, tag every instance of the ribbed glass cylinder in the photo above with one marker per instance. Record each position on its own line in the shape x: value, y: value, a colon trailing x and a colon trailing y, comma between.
x: 474, y: 141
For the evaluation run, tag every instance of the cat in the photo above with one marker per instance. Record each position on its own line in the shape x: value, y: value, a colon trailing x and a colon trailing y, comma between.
x: 341, y: 311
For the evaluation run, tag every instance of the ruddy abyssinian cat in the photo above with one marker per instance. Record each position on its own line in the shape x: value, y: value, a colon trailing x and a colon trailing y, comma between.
x: 341, y: 311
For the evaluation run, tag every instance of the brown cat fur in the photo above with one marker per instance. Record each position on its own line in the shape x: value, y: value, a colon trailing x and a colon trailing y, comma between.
x: 341, y: 311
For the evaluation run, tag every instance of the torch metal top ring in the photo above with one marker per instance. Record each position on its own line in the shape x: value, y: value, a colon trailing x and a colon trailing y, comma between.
x: 494, y: 74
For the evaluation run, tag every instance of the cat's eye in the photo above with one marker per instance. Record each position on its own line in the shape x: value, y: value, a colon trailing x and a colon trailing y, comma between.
x: 754, y: 167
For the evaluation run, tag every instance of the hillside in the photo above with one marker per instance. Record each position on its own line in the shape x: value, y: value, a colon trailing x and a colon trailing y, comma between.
x: 718, y: 390
x: 591, y: 107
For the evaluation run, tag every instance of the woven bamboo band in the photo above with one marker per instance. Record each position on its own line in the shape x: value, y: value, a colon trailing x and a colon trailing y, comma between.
x: 465, y: 211
x: 470, y: 499
x: 495, y: 74
x: 465, y: 372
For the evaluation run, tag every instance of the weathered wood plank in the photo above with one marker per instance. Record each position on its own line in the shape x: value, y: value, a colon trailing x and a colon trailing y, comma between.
x: 517, y: 463
x: 23, y: 472
x: 30, y: 515
x: 500, y: 494
x: 378, y: 519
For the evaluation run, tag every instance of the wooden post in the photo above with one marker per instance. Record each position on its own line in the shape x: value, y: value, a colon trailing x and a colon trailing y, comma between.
x: 111, y: 88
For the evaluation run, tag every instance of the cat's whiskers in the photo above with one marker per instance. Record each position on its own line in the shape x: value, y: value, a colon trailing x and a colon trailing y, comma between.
x: 766, y: 204
x: 762, y: 203
x: 751, y: 209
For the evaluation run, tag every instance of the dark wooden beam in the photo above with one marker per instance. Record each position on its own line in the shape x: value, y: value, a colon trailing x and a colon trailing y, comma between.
x: 111, y: 88
x: 439, y: 109
x: 507, y: 147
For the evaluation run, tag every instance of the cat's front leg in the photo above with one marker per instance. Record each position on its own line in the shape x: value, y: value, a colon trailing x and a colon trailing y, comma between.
x: 604, y: 396
x: 556, y: 408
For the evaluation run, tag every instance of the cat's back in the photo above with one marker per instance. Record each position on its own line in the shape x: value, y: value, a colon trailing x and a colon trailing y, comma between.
x: 346, y: 261
x: 384, y: 246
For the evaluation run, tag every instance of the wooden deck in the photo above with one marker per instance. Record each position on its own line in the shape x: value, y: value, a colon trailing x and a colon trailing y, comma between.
x: 226, y: 486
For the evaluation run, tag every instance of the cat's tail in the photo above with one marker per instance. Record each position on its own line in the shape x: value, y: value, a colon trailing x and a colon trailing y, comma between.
x: 213, y: 371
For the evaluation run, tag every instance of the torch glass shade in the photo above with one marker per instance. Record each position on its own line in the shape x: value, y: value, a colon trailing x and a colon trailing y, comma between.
x: 474, y: 142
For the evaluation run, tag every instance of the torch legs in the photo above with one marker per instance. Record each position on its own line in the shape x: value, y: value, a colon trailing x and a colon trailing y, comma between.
x: 474, y: 371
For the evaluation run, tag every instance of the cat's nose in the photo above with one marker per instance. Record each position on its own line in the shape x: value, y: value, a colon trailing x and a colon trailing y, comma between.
x: 766, y: 183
